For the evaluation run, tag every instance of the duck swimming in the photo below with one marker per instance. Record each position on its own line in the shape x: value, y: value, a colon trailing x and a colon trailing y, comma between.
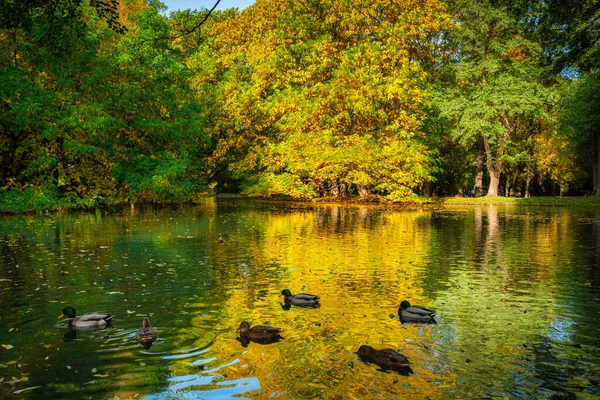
x: 410, y: 313
x: 301, y: 299
x: 146, y: 335
x: 385, y: 358
x: 259, y: 334
x: 89, y: 320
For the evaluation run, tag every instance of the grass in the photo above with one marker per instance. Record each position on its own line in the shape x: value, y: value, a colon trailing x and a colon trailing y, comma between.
x: 581, y: 201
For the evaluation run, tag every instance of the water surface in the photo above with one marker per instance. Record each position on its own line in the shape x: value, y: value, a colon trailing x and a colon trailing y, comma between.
x: 516, y: 291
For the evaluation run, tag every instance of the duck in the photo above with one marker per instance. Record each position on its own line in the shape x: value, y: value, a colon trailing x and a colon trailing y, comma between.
x: 259, y: 333
x: 220, y: 240
x: 301, y: 299
x: 410, y: 313
x: 385, y: 358
x: 89, y: 320
x: 146, y: 335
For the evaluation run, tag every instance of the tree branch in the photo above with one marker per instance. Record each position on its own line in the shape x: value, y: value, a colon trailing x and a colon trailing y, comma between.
x: 197, y: 26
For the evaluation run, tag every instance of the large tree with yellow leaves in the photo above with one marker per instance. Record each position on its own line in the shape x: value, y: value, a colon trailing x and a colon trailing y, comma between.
x: 323, y: 97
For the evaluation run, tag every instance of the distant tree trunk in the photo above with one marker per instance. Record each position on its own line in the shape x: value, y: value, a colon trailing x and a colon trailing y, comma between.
x: 507, y: 187
x: 427, y: 189
x: 480, y: 161
x: 596, y: 163
x: 362, y: 190
x: 494, y: 182
x: 495, y: 168
x: 335, y: 188
x: 527, y: 181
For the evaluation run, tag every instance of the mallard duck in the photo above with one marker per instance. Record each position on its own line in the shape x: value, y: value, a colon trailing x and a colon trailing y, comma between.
x: 146, y: 335
x: 301, y: 299
x: 259, y: 333
x: 385, y: 358
x: 89, y: 320
x: 410, y: 313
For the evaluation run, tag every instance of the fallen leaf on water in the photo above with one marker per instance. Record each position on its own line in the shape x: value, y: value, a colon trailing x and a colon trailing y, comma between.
x: 317, y: 385
x: 94, y: 370
x: 130, y: 312
x: 23, y: 390
x: 15, y: 380
x: 101, y: 376
x: 7, y: 346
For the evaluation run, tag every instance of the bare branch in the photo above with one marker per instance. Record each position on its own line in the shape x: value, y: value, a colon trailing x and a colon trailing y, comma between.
x: 197, y: 26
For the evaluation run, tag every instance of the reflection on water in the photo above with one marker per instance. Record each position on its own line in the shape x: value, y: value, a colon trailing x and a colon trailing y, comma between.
x: 516, y: 291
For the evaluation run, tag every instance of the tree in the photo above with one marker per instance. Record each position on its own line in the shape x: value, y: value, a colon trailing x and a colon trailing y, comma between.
x: 319, y: 99
x: 580, y: 123
x: 570, y: 33
x: 496, y: 81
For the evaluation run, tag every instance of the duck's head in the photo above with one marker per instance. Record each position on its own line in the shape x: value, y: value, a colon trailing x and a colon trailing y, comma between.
x: 404, y: 305
x: 365, y: 350
x: 286, y: 292
x: 69, y: 312
x: 146, y: 323
x: 244, y: 327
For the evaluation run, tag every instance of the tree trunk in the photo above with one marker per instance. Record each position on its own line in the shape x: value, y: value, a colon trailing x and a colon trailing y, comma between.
x: 507, y: 187
x: 479, y: 175
x: 335, y: 189
x: 527, y: 181
x: 362, y: 190
x: 495, y: 166
x: 596, y: 163
x: 494, y: 182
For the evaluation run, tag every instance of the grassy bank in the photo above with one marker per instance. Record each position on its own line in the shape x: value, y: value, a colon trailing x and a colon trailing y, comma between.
x: 587, y: 201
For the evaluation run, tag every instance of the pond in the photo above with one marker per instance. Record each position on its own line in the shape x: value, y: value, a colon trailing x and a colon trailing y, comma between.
x: 516, y: 291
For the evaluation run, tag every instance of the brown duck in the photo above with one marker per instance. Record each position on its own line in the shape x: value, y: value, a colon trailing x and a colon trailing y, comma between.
x: 385, y: 358
x: 259, y: 333
x: 146, y: 335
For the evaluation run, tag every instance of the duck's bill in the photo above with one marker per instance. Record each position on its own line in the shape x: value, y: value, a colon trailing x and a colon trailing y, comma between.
x: 59, y: 316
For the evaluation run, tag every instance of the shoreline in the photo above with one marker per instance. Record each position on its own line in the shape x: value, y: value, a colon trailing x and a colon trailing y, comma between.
x: 409, y: 204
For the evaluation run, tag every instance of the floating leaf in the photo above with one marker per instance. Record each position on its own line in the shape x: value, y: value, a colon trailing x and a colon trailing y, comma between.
x: 7, y: 346
x: 23, y: 390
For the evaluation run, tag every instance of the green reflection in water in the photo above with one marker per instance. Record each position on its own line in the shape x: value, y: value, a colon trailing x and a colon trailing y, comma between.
x: 516, y: 292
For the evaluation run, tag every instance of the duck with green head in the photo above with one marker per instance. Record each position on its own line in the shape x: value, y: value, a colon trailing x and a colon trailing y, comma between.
x: 300, y: 299
x: 410, y: 313
x: 385, y: 358
x: 86, y: 321
x: 147, y: 334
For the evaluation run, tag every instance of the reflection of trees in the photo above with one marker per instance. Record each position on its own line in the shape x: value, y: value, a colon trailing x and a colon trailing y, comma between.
x: 552, y: 372
x: 596, y: 248
x: 361, y: 260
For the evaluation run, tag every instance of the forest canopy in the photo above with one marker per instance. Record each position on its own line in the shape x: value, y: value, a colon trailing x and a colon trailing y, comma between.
x: 108, y: 101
